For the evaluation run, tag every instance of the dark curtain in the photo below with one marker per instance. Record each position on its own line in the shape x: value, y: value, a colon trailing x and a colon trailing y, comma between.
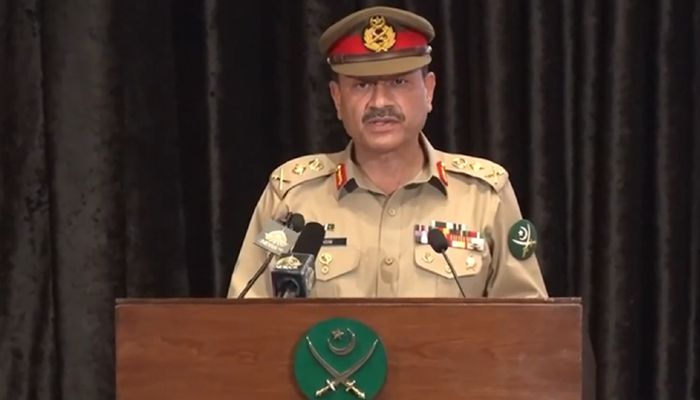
x: 136, y: 136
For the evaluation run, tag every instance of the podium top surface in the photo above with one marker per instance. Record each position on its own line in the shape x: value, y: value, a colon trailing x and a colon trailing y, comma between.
x: 563, y: 301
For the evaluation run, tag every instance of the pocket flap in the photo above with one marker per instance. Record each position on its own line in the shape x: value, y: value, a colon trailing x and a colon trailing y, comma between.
x: 334, y: 261
x: 466, y: 262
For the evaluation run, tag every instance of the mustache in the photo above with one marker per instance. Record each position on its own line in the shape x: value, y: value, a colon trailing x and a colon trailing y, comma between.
x: 384, y: 112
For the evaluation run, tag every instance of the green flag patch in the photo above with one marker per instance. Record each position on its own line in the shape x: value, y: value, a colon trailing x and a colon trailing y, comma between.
x: 522, y: 239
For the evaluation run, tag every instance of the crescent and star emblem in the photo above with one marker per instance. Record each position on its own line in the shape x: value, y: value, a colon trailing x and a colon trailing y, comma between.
x: 341, y: 378
x: 345, y: 350
x: 524, y: 239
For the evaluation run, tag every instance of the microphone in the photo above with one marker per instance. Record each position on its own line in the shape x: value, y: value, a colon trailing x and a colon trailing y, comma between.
x: 277, y: 239
x: 438, y: 242
x: 295, y: 221
x: 294, y: 274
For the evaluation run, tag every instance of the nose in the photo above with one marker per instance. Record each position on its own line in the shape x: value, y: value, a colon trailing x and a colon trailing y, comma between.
x: 381, y: 96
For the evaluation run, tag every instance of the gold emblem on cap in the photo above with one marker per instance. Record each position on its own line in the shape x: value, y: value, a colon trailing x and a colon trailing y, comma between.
x: 379, y: 36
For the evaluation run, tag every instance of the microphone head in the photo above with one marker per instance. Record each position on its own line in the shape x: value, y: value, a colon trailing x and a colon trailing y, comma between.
x: 310, y: 239
x: 438, y: 241
x: 296, y: 222
x: 294, y: 274
x: 276, y: 238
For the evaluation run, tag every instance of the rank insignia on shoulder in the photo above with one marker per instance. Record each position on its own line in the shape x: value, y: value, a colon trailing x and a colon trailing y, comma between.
x: 486, y: 170
x: 280, y: 178
x: 298, y: 169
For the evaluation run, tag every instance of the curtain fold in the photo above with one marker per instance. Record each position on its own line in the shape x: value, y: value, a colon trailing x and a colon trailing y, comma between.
x: 135, y: 138
x: 28, y: 351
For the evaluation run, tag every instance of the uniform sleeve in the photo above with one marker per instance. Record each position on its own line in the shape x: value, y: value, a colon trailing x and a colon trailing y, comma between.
x: 513, y: 275
x: 251, y: 256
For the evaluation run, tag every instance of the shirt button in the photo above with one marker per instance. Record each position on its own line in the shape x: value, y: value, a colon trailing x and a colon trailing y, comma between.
x: 388, y: 261
x: 392, y: 212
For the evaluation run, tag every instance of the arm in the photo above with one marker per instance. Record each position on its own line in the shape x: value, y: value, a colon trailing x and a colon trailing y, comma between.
x: 515, y: 269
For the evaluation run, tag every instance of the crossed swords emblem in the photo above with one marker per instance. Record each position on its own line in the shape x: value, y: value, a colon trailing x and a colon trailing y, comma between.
x: 341, y: 378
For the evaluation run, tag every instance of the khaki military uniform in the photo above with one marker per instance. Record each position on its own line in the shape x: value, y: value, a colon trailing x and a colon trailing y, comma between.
x: 377, y: 243
x: 374, y: 240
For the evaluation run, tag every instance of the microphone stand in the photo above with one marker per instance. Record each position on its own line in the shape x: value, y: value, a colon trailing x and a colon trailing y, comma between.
x: 257, y: 275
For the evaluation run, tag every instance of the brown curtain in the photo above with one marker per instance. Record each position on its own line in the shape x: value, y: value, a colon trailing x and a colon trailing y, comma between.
x: 135, y: 137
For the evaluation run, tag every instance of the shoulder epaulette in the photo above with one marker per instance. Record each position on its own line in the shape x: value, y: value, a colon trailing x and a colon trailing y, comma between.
x: 299, y: 170
x: 485, y: 170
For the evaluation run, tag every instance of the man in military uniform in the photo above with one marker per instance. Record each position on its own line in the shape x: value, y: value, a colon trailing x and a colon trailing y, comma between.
x: 380, y: 196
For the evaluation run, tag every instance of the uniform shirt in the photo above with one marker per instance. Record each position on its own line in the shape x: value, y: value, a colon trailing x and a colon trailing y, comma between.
x: 378, y: 245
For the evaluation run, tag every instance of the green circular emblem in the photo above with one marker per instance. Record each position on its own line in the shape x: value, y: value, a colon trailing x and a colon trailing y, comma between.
x: 522, y: 239
x: 340, y: 358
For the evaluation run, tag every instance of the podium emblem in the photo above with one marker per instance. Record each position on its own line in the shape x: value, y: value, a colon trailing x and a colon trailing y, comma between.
x: 340, y: 359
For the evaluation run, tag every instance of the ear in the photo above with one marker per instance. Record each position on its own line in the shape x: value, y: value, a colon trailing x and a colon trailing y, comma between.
x: 429, y: 90
x: 335, y: 95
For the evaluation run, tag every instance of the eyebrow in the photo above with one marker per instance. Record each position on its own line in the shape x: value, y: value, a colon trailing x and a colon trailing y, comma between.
x: 378, y: 78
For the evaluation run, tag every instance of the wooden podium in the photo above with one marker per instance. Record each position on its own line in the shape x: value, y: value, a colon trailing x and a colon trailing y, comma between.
x: 475, y: 349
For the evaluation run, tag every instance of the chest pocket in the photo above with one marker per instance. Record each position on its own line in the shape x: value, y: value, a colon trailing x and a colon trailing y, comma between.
x: 471, y: 267
x: 336, y: 271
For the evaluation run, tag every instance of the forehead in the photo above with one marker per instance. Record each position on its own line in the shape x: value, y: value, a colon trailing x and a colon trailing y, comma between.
x: 376, y: 78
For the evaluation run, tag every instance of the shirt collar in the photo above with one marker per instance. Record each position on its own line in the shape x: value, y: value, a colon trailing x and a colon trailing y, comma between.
x: 349, y: 177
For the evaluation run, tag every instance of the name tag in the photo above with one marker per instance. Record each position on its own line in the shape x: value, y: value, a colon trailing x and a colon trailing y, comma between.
x: 335, y: 241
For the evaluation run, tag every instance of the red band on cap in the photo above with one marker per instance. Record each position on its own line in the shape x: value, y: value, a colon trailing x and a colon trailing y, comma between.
x: 353, y: 44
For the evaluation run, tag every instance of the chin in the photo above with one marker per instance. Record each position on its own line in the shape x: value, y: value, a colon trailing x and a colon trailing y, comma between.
x: 384, y: 141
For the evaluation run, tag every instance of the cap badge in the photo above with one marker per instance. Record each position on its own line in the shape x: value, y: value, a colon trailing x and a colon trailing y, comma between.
x: 378, y: 35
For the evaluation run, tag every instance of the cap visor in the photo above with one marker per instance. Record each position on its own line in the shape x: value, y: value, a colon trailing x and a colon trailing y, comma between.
x: 382, y: 67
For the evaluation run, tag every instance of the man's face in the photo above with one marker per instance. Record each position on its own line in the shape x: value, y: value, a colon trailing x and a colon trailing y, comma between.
x: 384, y: 113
